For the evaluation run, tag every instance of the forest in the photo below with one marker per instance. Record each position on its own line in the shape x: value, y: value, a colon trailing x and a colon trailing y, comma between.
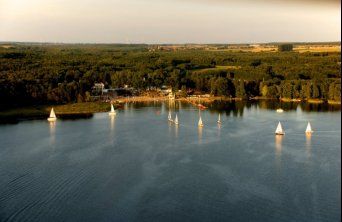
x: 65, y: 73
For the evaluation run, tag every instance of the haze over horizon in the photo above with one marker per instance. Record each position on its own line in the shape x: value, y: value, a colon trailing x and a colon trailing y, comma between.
x: 170, y: 21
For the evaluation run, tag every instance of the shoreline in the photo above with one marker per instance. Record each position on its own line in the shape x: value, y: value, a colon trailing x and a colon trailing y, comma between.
x: 86, y: 110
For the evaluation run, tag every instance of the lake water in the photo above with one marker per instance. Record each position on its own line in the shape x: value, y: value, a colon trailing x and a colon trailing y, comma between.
x: 139, y: 167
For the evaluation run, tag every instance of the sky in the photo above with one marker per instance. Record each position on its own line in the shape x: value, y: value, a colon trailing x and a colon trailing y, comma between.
x: 170, y: 21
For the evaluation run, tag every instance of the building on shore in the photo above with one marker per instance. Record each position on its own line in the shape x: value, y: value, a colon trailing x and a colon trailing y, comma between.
x: 98, y: 89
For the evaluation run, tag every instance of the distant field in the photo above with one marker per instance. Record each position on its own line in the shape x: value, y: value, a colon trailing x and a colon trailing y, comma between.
x: 6, y: 46
x: 217, y: 68
x: 274, y: 48
x: 319, y: 48
x: 269, y: 47
x: 248, y: 49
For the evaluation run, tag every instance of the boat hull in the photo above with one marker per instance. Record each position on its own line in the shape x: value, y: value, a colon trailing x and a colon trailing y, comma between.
x: 280, y: 134
x: 52, y: 119
x: 112, y: 114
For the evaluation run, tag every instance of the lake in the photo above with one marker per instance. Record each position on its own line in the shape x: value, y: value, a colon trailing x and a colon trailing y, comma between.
x: 139, y: 167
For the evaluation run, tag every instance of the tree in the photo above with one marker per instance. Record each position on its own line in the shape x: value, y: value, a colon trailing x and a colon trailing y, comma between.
x: 315, y: 91
x: 273, y: 91
x: 307, y: 90
x: 240, y: 91
x: 285, y: 47
x: 264, y: 90
x: 219, y: 86
x: 256, y: 63
x: 287, y: 90
x: 335, y: 91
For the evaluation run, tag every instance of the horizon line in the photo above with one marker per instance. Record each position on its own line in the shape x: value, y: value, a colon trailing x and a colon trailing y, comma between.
x: 189, y: 43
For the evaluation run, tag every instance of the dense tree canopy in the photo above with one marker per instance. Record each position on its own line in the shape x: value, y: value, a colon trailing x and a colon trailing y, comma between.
x: 31, y: 74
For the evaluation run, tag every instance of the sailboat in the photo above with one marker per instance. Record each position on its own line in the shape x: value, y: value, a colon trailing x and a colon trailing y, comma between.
x: 112, y: 111
x: 170, y: 117
x: 219, y: 119
x: 176, y: 120
x: 279, y: 130
x: 200, y: 123
x: 309, y: 129
x: 52, y: 117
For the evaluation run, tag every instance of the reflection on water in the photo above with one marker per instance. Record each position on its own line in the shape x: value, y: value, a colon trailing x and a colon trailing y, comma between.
x: 278, y: 144
x: 219, y: 130
x: 112, y: 120
x: 163, y: 109
x: 143, y: 172
x: 170, y: 128
x: 126, y: 108
x: 52, y: 132
x: 237, y: 108
x: 176, y: 131
x: 278, y: 150
x: 308, y: 145
x: 200, y: 135
x: 172, y: 104
x: 179, y: 105
x: 112, y: 123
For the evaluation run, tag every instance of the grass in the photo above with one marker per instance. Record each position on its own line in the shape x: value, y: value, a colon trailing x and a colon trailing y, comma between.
x: 218, y: 68
x: 75, y: 108
x: 41, y: 112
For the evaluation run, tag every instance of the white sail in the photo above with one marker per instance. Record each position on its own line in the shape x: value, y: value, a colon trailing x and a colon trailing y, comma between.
x: 308, y: 128
x: 52, y: 114
x: 52, y: 117
x: 279, y: 130
x: 219, y: 119
x: 169, y: 117
x: 176, y: 120
x: 200, y: 123
x: 112, y: 110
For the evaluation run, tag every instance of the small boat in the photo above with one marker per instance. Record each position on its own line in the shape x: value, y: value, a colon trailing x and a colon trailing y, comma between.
x: 112, y: 111
x: 200, y: 123
x: 170, y: 117
x: 219, y: 119
x: 279, y: 130
x: 309, y: 129
x: 52, y: 117
x: 280, y: 110
x: 202, y: 107
x: 176, y: 120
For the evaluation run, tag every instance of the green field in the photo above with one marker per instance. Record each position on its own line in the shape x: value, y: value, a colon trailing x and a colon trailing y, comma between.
x: 42, y: 112
x: 220, y: 68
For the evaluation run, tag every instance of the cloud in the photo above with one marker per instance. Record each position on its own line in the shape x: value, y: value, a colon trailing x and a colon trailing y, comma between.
x: 329, y: 3
x: 169, y: 21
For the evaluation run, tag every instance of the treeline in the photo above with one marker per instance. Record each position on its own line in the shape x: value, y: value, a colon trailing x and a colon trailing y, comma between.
x: 31, y: 74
